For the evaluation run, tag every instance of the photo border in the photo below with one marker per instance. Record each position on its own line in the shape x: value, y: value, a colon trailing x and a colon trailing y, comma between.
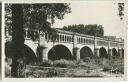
x: 59, y: 78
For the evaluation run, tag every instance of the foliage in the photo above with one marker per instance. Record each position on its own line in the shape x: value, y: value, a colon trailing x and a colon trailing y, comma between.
x: 42, y: 16
x: 52, y: 73
x: 46, y: 63
x: 121, y: 10
x: 114, y: 66
x: 38, y: 17
x: 97, y: 68
x: 30, y: 16
x: 93, y: 30
x: 63, y: 63
x: 7, y: 70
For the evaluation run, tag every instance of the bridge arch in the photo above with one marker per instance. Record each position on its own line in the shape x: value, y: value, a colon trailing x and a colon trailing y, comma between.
x: 30, y: 56
x: 114, y: 52
x: 103, y: 53
x: 122, y: 53
x: 85, y: 52
x: 59, y: 52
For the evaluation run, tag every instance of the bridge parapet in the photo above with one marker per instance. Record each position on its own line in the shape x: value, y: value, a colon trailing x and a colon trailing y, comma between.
x: 113, y: 44
x: 28, y: 33
x: 84, y: 40
x: 121, y: 45
x: 73, y: 41
x: 66, y: 36
x: 87, y: 39
x: 59, y: 38
x: 102, y: 43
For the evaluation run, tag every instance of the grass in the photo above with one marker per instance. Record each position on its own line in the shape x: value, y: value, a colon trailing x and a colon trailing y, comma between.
x: 88, y: 67
x: 63, y: 63
x: 46, y: 63
x: 115, y: 66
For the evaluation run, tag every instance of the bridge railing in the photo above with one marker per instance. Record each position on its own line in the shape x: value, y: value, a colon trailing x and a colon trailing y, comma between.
x: 83, y: 40
x: 104, y: 43
x: 29, y: 34
x: 59, y: 37
x: 113, y: 44
x: 69, y: 37
x: 121, y: 45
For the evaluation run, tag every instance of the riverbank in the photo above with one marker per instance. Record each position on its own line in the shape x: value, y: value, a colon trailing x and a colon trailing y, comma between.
x: 89, y: 67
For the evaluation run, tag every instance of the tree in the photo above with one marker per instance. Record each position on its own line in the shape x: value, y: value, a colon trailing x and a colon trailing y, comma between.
x: 42, y: 16
x: 121, y: 10
x: 31, y: 16
x: 18, y: 67
x: 93, y: 30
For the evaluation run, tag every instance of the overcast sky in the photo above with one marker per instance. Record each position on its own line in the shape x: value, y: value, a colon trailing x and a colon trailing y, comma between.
x: 95, y: 12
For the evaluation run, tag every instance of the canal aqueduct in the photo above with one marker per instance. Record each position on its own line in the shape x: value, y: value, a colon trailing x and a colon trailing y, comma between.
x: 69, y: 45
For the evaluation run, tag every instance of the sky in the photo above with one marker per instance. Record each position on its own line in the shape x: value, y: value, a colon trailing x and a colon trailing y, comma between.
x: 95, y: 12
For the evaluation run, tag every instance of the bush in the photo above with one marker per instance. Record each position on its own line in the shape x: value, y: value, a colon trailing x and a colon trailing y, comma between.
x: 106, y: 68
x: 87, y: 59
x: 7, y: 70
x: 52, y: 73
x: 46, y: 63
x: 63, y: 63
x: 114, y: 66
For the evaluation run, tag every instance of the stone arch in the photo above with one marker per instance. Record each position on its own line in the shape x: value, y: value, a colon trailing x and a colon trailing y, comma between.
x: 103, y: 53
x: 59, y: 52
x: 30, y: 56
x: 85, y: 52
x: 114, y: 53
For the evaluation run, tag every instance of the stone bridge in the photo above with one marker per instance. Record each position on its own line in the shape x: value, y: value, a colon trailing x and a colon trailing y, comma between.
x: 69, y: 45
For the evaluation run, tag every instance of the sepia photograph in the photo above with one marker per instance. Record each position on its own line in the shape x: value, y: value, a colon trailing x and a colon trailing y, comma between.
x: 72, y: 40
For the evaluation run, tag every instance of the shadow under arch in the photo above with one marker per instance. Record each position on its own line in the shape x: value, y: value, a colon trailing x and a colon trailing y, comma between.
x: 30, y: 56
x: 59, y: 52
x: 85, y: 52
x: 114, y: 53
x: 122, y: 53
x: 103, y: 53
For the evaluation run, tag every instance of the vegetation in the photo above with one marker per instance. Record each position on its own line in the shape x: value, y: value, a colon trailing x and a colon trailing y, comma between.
x: 121, y: 10
x: 93, y: 30
x: 63, y: 63
x: 31, y: 16
x: 115, y: 66
x: 88, y: 67
x: 46, y: 63
x: 40, y: 17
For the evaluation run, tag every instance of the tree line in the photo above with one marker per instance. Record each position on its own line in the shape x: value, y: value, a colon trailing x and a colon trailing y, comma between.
x: 90, y: 29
